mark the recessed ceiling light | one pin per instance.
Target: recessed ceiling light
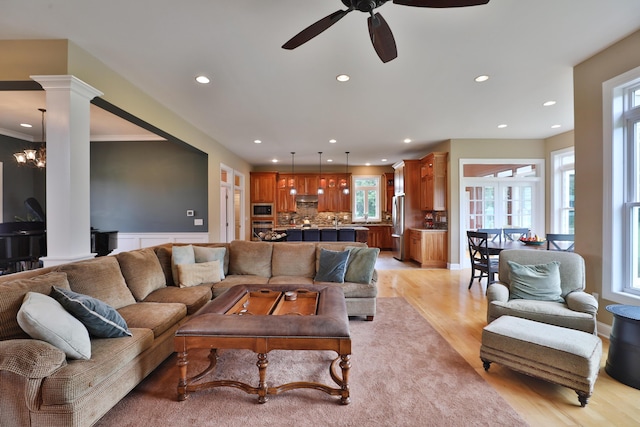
(26, 125)
(203, 79)
(556, 126)
(342, 78)
(482, 78)
(383, 160)
(502, 126)
(257, 141)
(367, 164)
(407, 140)
(549, 103)
(329, 160)
(332, 141)
(274, 161)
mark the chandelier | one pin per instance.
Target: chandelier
(37, 158)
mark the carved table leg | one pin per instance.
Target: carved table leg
(182, 381)
(345, 364)
(262, 385)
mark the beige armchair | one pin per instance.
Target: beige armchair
(578, 311)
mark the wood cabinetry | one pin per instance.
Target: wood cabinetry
(285, 202)
(333, 199)
(389, 191)
(379, 236)
(428, 247)
(306, 184)
(433, 182)
(263, 187)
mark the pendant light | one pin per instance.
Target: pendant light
(320, 189)
(292, 190)
(345, 190)
(37, 157)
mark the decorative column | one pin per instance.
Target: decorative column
(68, 157)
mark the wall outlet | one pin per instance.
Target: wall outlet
(190, 212)
(198, 221)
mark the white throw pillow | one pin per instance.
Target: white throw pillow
(206, 254)
(43, 318)
(195, 274)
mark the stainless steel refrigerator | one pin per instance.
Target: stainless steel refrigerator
(397, 236)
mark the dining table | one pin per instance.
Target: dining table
(496, 247)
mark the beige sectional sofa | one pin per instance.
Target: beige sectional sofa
(41, 386)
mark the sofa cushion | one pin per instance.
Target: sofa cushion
(294, 259)
(333, 265)
(164, 258)
(100, 278)
(232, 280)
(12, 294)
(181, 255)
(198, 273)
(361, 264)
(193, 297)
(79, 377)
(206, 254)
(251, 258)
(100, 319)
(158, 317)
(142, 272)
(43, 318)
(535, 282)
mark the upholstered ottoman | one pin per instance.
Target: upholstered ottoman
(559, 355)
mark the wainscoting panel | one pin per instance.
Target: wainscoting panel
(132, 241)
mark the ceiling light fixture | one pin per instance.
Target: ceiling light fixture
(292, 190)
(257, 141)
(407, 140)
(342, 78)
(274, 161)
(332, 141)
(203, 80)
(383, 160)
(549, 103)
(482, 78)
(502, 126)
(345, 188)
(37, 157)
(320, 189)
(556, 126)
(26, 125)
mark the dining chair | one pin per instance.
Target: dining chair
(560, 242)
(480, 259)
(494, 233)
(514, 234)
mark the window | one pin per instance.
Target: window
(563, 191)
(366, 198)
(621, 242)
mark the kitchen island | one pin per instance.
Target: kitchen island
(342, 233)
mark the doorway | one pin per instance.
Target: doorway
(232, 226)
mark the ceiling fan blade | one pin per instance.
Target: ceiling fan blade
(382, 38)
(440, 3)
(314, 29)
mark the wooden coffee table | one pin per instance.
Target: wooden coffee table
(255, 318)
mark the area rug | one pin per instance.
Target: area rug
(403, 374)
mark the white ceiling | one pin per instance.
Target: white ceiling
(290, 99)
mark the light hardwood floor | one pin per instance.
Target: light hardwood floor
(458, 314)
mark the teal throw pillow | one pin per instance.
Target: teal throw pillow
(362, 262)
(181, 255)
(535, 282)
(100, 319)
(333, 266)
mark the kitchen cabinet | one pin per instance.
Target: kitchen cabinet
(379, 236)
(263, 187)
(333, 199)
(389, 191)
(285, 202)
(433, 182)
(307, 185)
(428, 247)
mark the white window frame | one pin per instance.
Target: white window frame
(559, 189)
(376, 188)
(616, 234)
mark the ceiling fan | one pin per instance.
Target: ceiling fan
(379, 31)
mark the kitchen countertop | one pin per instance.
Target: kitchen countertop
(429, 229)
(316, 227)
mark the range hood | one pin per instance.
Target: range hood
(306, 198)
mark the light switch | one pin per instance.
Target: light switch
(198, 221)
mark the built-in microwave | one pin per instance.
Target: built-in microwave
(262, 210)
